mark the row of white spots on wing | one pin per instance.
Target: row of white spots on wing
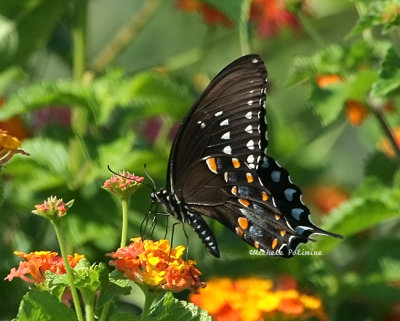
(249, 115)
(249, 129)
(250, 159)
(202, 125)
(250, 144)
(254, 61)
(225, 122)
(227, 150)
(250, 102)
(226, 177)
(226, 136)
(219, 113)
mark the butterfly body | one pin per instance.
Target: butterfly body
(218, 168)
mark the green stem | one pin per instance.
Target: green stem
(104, 311)
(69, 271)
(89, 306)
(243, 28)
(149, 298)
(79, 115)
(124, 232)
(311, 31)
(125, 36)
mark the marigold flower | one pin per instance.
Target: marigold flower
(252, 299)
(386, 147)
(326, 197)
(211, 15)
(123, 185)
(33, 269)
(271, 16)
(53, 208)
(324, 81)
(9, 146)
(157, 265)
(355, 112)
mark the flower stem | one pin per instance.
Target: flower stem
(149, 298)
(69, 271)
(124, 232)
(89, 307)
(243, 28)
(125, 36)
(104, 311)
(311, 31)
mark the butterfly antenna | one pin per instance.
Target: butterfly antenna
(149, 177)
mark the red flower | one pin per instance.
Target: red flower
(211, 15)
(271, 16)
(326, 197)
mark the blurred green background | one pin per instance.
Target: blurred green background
(78, 110)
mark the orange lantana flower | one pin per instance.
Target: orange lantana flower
(386, 147)
(33, 269)
(252, 299)
(157, 265)
(211, 15)
(326, 197)
(9, 146)
(324, 81)
(355, 112)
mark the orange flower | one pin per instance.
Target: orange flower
(252, 299)
(326, 197)
(271, 16)
(157, 265)
(324, 81)
(355, 112)
(9, 146)
(211, 15)
(14, 125)
(37, 263)
(386, 147)
(123, 185)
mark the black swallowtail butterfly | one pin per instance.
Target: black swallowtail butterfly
(218, 167)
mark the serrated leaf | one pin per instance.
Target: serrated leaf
(389, 75)
(169, 308)
(29, 24)
(43, 306)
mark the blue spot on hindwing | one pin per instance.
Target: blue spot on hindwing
(289, 192)
(296, 213)
(276, 176)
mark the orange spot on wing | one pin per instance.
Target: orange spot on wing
(244, 202)
(235, 163)
(283, 232)
(239, 232)
(256, 245)
(212, 164)
(243, 222)
(264, 196)
(277, 216)
(274, 243)
(250, 178)
(234, 190)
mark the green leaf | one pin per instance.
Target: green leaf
(389, 75)
(43, 306)
(382, 167)
(25, 25)
(372, 204)
(123, 317)
(385, 13)
(169, 308)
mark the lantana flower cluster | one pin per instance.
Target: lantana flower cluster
(123, 185)
(157, 265)
(52, 208)
(33, 269)
(256, 299)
